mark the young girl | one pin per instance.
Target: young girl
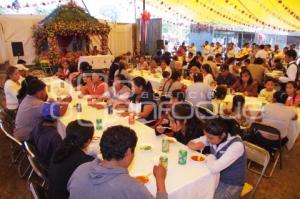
(142, 101)
(228, 157)
(293, 99)
(245, 84)
(183, 124)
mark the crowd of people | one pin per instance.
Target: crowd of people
(214, 72)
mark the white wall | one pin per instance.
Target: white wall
(19, 28)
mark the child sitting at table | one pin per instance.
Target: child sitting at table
(293, 98)
(63, 70)
(182, 124)
(237, 110)
(98, 88)
(228, 157)
(268, 91)
(165, 75)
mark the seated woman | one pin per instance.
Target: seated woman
(166, 104)
(98, 89)
(63, 70)
(122, 70)
(183, 124)
(293, 98)
(207, 73)
(24, 86)
(142, 65)
(245, 84)
(86, 81)
(228, 157)
(119, 92)
(11, 89)
(276, 115)
(173, 83)
(68, 156)
(142, 102)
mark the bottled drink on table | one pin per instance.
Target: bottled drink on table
(131, 118)
(98, 124)
(109, 108)
(62, 84)
(163, 161)
(182, 156)
(78, 107)
(165, 145)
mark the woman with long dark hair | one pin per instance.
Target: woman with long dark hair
(228, 157)
(173, 83)
(245, 84)
(142, 102)
(122, 70)
(24, 85)
(183, 124)
(208, 77)
(11, 89)
(68, 156)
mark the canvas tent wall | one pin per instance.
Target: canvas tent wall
(14, 28)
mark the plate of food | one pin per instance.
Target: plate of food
(171, 140)
(96, 137)
(198, 157)
(142, 179)
(145, 147)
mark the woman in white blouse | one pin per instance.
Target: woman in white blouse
(11, 89)
(208, 77)
(228, 157)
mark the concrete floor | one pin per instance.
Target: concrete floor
(285, 183)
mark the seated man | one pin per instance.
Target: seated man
(29, 112)
(45, 136)
(109, 178)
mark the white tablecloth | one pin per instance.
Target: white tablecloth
(256, 104)
(97, 61)
(192, 180)
(155, 79)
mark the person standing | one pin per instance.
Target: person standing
(11, 88)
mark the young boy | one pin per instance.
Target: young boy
(268, 91)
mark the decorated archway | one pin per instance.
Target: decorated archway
(66, 33)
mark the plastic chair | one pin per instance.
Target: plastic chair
(38, 192)
(36, 165)
(205, 113)
(256, 128)
(17, 152)
(259, 156)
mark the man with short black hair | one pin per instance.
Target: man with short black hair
(30, 110)
(291, 72)
(109, 178)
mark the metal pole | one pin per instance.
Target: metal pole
(142, 33)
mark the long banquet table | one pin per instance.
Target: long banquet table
(193, 180)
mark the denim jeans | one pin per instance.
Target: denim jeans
(226, 191)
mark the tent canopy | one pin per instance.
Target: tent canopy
(281, 15)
